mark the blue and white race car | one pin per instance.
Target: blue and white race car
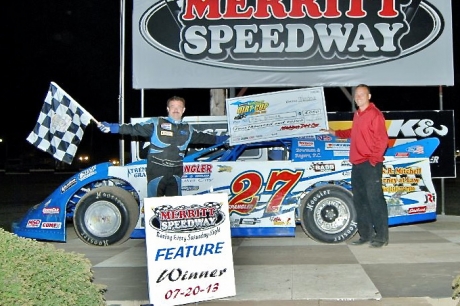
(272, 187)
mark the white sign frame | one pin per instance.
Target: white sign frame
(189, 249)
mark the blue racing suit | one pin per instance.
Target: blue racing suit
(169, 140)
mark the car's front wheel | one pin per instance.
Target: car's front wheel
(327, 214)
(106, 216)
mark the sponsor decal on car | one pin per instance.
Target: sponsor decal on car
(223, 168)
(416, 150)
(197, 170)
(87, 173)
(278, 221)
(190, 188)
(341, 153)
(245, 221)
(324, 138)
(402, 154)
(416, 210)
(337, 146)
(51, 225)
(51, 210)
(33, 223)
(322, 167)
(68, 185)
(137, 172)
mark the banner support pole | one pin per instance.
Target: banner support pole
(121, 106)
(443, 200)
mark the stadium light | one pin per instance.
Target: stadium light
(83, 158)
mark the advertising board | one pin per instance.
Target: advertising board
(330, 43)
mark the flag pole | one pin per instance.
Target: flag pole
(121, 113)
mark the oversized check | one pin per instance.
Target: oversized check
(276, 115)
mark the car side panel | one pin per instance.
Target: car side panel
(263, 195)
(47, 220)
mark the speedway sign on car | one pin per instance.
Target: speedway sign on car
(276, 115)
(189, 249)
(222, 43)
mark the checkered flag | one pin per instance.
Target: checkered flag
(60, 125)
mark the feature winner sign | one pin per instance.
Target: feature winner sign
(276, 115)
(189, 249)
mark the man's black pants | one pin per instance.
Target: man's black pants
(370, 204)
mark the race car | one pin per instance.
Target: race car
(272, 187)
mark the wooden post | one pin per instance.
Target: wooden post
(218, 102)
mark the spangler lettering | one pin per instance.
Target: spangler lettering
(198, 168)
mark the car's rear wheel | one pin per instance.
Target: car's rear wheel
(106, 216)
(327, 214)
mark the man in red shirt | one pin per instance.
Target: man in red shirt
(368, 142)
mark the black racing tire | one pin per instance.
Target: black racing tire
(106, 216)
(327, 214)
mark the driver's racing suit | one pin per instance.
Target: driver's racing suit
(169, 140)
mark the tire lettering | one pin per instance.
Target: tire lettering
(108, 196)
(317, 197)
(93, 241)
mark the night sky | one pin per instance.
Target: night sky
(77, 45)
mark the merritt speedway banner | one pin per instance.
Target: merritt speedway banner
(266, 43)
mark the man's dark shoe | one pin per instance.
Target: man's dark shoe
(360, 242)
(378, 244)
